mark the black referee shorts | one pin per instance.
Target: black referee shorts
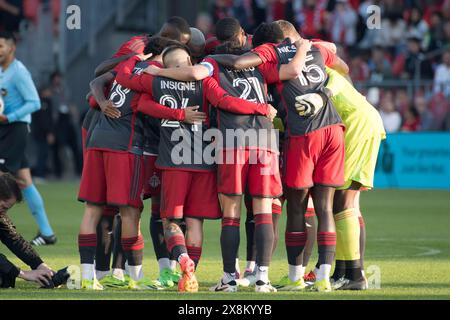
(13, 143)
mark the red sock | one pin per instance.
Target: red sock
(87, 244)
(194, 253)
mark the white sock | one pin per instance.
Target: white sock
(238, 269)
(127, 268)
(118, 274)
(101, 274)
(164, 263)
(250, 266)
(135, 272)
(173, 265)
(87, 271)
(228, 277)
(296, 272)
(316, 271)
(324, 272)
(363, 273)
(262, 273)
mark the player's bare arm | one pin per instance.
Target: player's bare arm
(340, 66)
(329, 45)
(247, 60)
(191, 73)
(294, 68)
(110, 64)
(97, 88)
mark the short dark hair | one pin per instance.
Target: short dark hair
(227, 29)
(181, 24)
(174, 47)
(157, 44)
(286, 26)
(267, 33)
(8, 36)
(9, 187)
(230, 47)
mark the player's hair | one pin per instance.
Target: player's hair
(179, 23)
(227, 29)
(178, 46)
(230, 47)
(9, 188)
(267, 33)
(157, 44)
(197, 37)
(8, 36)
(286, 27)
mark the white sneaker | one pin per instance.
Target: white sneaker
(263, 287)
(225, 287)
(248, 280)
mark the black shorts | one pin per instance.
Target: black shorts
(13, 143)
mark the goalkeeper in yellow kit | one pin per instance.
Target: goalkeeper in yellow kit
(363, 135)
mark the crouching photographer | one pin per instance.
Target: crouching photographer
(40, 273)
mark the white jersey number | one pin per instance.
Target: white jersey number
(118, 94)
(170, 101)
(249, 84)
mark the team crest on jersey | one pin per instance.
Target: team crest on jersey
(154, 181)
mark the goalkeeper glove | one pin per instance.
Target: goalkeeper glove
(310, 104)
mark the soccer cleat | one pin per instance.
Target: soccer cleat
(287, 284)
(323, 285)
(140, 285)
(360, 284)
(248, 280)
(176, 276)
(41, 240)
(91, 284)
(337, 284)
(113, 282)
(263, 287)
(225, 287)
(165, 279)
(310, 277)
(188, 281)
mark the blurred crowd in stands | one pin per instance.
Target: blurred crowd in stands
(402, 64)
(16, 14)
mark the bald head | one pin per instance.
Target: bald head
(197, 43)
(176, 56)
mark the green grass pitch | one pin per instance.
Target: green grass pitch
(408, 240)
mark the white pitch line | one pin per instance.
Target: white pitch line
(428, 252)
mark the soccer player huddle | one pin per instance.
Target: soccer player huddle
(199, 125)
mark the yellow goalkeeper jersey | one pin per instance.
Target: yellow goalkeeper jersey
(361, 119)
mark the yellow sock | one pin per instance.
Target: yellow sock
(347, 235)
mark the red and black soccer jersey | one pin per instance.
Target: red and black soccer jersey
(125, 134)
(134, 45)
(151, 128)
(246, 84)
(171, 97)
(89, 121)
(312, 79)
